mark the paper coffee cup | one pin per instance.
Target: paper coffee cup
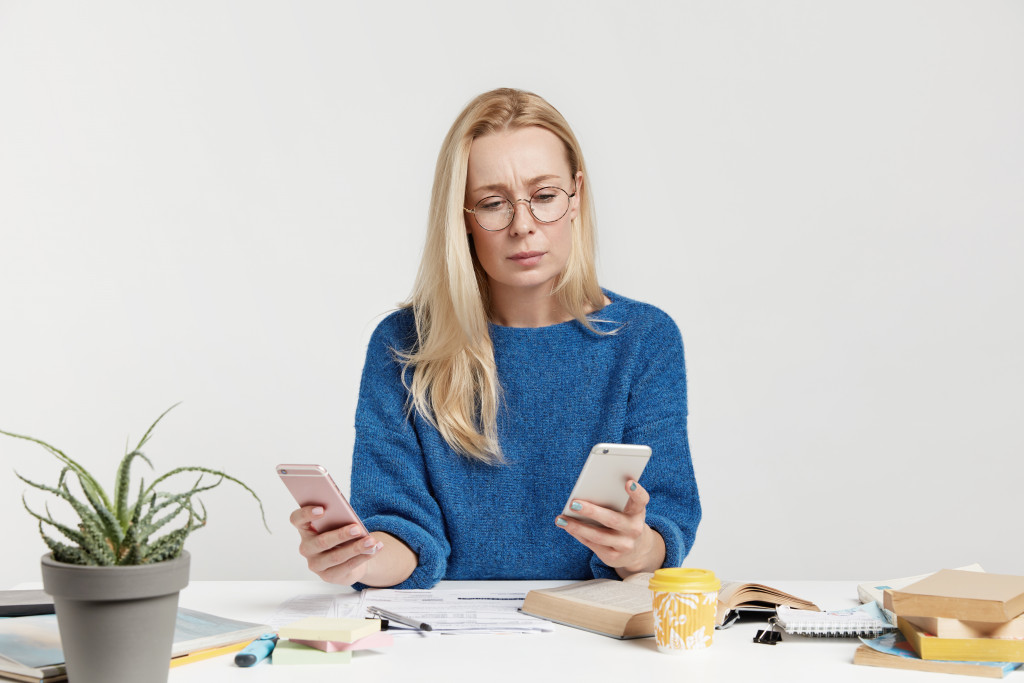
(684, 608)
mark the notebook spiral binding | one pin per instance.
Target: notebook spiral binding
(832, 629)
(862, 633)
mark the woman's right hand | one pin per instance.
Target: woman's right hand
(339, 556)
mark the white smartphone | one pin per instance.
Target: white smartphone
(312, 485)
(602, 480)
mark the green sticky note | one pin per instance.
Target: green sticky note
(287, 652)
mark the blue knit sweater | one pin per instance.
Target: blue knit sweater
(565, 389)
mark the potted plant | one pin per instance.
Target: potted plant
(116, 574)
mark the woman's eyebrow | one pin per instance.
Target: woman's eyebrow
(503, 186)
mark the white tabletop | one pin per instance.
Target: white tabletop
(567, 654)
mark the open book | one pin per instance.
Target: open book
(620, 609)
(736, 595)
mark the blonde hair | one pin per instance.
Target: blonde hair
(454, 382)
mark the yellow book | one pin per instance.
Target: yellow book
(199, 655)
(339, 630)
(931, 647)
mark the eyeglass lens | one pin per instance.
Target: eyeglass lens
(547, 205)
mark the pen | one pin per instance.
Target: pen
(408, 621)
(257, 650)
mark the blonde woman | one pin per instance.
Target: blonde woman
(482, 396)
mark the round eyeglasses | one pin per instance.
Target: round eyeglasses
(548, 204)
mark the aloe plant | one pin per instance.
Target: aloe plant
(118, 530)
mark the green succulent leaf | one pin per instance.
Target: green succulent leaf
(72, 535)
(218, 473)
(63, 552)
(121, 533)
(111, 527)
(123, 485)
(93, 485)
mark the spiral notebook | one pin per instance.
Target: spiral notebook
(865, 620)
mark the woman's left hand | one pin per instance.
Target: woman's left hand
(623, 540)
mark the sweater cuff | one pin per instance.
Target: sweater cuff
(432, 558)
(675, 548)
(675, 544)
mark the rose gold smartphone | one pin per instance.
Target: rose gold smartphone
(312, 485)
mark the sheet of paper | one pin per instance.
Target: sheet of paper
(455, 611)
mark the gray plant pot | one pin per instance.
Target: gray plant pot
(116, 623)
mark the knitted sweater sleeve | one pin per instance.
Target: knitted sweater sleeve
(390, 487)
(656, 416)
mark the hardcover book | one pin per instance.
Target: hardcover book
(956, 628)
(867, 656)
(954, 594)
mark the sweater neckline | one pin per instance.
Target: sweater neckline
(613, 299)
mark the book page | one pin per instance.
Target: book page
(735, 593)
(625, 597)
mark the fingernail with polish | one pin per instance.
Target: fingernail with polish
(632, 487)
(318, 511)
(561, 522)
(576, 506)
(355, 531)
(369, 542)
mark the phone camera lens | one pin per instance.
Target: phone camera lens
(284, 471)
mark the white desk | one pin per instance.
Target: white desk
(566, 655)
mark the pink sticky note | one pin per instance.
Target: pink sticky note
(370, 642)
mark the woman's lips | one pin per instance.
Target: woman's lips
(527, 258)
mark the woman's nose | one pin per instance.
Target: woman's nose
(522, 220)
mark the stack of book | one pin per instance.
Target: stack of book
(958, 621)
(30, 648)
(325, 640)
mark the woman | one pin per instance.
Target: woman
(482, 396)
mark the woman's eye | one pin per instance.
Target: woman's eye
(491, 205)
(543, 197)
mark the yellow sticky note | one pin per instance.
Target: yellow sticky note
(326, 628)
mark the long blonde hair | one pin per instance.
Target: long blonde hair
(454, 383)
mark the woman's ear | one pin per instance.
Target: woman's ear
(574, 206)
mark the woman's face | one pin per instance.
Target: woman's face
(528, 254)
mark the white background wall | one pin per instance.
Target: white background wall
(214, 202)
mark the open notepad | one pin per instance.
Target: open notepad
(866, 620)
